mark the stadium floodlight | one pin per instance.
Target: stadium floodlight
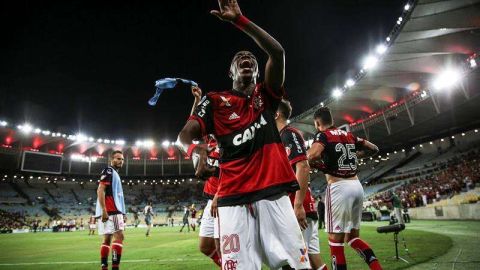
(400, 19)
(148, 143)
(381, 49)
(25, 128)
(46, 132)
(139, 143)
(120, 142)
(463, 134)
(99, 140)
(321, 104)
(64, 135)
(350, 83)
(447, 79)
(473, 63)
(337, 93)
(476, 130)
(166, 143)
(3, 123)
(406, 7)
(106, 141)
(288, 121)
(37, 131)
(80, 137)
(388, 39)
(442, 140)
(370, 62)
(431, 142)
(91, 139)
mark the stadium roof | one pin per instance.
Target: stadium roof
(395, 102)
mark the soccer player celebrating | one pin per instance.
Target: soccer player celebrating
(111, 210)
(302, 201)
(256, 219)
(148, 212)
(338, 151)
(209, 229)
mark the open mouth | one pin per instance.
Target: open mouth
(246, 63)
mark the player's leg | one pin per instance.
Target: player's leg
(117, 245)
(310, 236)
(207, 233)
(337, 206)
(280, 235)
(353, 238)
(105, 250)
(239, 243)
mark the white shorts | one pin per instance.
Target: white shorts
(114, 224)
(92, 226)
(310, 235)
(265, 231)
(192, 221)
(343, 206)
(209, 224)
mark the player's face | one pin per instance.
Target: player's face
(117, 161)
(244, 66)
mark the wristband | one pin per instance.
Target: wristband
(191, 148)
(241, 22)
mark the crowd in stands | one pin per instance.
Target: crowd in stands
(462, 173)
(12, 220)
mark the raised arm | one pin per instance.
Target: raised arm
(229, 10)
(197, 94)
(368, 149)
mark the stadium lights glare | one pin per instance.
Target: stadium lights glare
(120, 142)
(473, 63)
(447, 79)
(106, 141)
(407, 7)
(476, 130)
(46, 132)
(3, 123)
(80, 137)
(139, 143)
(337, 93)
(166, 143)
(388, 39)
(25, 128)
(442, 140)
(99, 141)
(370, 62)
(381, 49)
(37, 131)
(148, 143)
(91, 139)
(350, 83)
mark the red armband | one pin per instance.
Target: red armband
(241, 22)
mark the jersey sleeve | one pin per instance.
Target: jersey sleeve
(320, 138)
(359, 142)
(203, 114)
(106, 176)
(295, 146)
(272, 96)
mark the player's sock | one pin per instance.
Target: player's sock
(338, 255)
(215, 258)
(364, 250)
(104, 250)
(117, 247)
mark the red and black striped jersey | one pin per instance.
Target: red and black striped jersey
(340, 153)
(294, 144)
(106, 179)
(253, 164)
(211, 185)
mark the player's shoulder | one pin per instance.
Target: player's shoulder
(107, 170)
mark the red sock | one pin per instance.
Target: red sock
(216, 258)
(338, 255)
(104, 250)
(117, 247)
(364, 250)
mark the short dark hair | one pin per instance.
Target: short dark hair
(285, 109)
(324, 115)
(116, 152)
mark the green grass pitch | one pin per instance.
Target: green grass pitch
(169, 249)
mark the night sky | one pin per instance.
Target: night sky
(90, 66)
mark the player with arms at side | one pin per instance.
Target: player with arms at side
(302, 200)
(339, 150)
(208, 243)
(148, 212)
(256, 219)
(111, 210)
(92, 225)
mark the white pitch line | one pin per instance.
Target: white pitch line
(98, 262)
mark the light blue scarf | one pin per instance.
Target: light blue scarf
(167, 83)
(117, 194)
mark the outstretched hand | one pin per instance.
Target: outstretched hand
(229, 10)
(197, 92)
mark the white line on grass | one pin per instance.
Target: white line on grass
(97, 262)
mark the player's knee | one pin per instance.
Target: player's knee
(206, 247)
